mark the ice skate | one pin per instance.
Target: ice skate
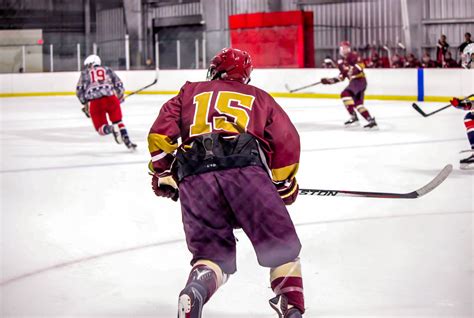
(116, 133)
(280, 305)
(352, 122)
(372, 124)
(191, 301)
(128, 143)
(467, 163)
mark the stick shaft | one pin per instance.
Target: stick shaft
(303, 87)
(430, 186)
(141, 89)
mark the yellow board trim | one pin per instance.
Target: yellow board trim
(411, 98)
(437, 99)
(37, 94)
(154, 93)
(305, 95)
(392, 97)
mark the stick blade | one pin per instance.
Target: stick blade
(287, 88)
(442, 175)
(418, 109)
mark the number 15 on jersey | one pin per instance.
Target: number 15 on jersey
(238, 113)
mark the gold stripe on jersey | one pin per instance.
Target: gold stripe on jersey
(282, 174)
(150, 167)
(360, 75)
(161, 142)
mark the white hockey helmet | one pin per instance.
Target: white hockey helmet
(467, 56)
(92, 60)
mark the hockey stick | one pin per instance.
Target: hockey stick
(418, 109)
(422, 113)
(300, 88)
(141, 89)
(144, 87)
(442, 175)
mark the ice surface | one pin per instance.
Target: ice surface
(82, 234)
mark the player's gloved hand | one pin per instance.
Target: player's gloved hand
(288, 190)
(460, 103)
(85, 110)
(165, 186)
(328, 81)
(455, 101)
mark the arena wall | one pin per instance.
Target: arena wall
(384, 84)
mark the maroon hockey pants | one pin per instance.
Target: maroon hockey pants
(214, 203)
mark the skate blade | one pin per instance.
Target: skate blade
(467, 151)
(466, 166)
(353, 125)
(372, 128)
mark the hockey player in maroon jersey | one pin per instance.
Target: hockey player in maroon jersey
(100, 90)
(353, 95)
(235, 168)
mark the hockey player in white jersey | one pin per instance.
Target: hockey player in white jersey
(100, 90)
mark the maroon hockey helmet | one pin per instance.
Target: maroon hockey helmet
(230, 64)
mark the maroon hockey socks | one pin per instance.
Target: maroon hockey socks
(286, 280)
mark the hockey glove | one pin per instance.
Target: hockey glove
(288, 190)
(455, 102)
(462, 104)
(329, 81)
(165, 186)
(85, 110)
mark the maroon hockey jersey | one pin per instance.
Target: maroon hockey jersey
(230, 108)
(351, 67)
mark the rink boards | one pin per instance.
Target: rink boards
(383, 84)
